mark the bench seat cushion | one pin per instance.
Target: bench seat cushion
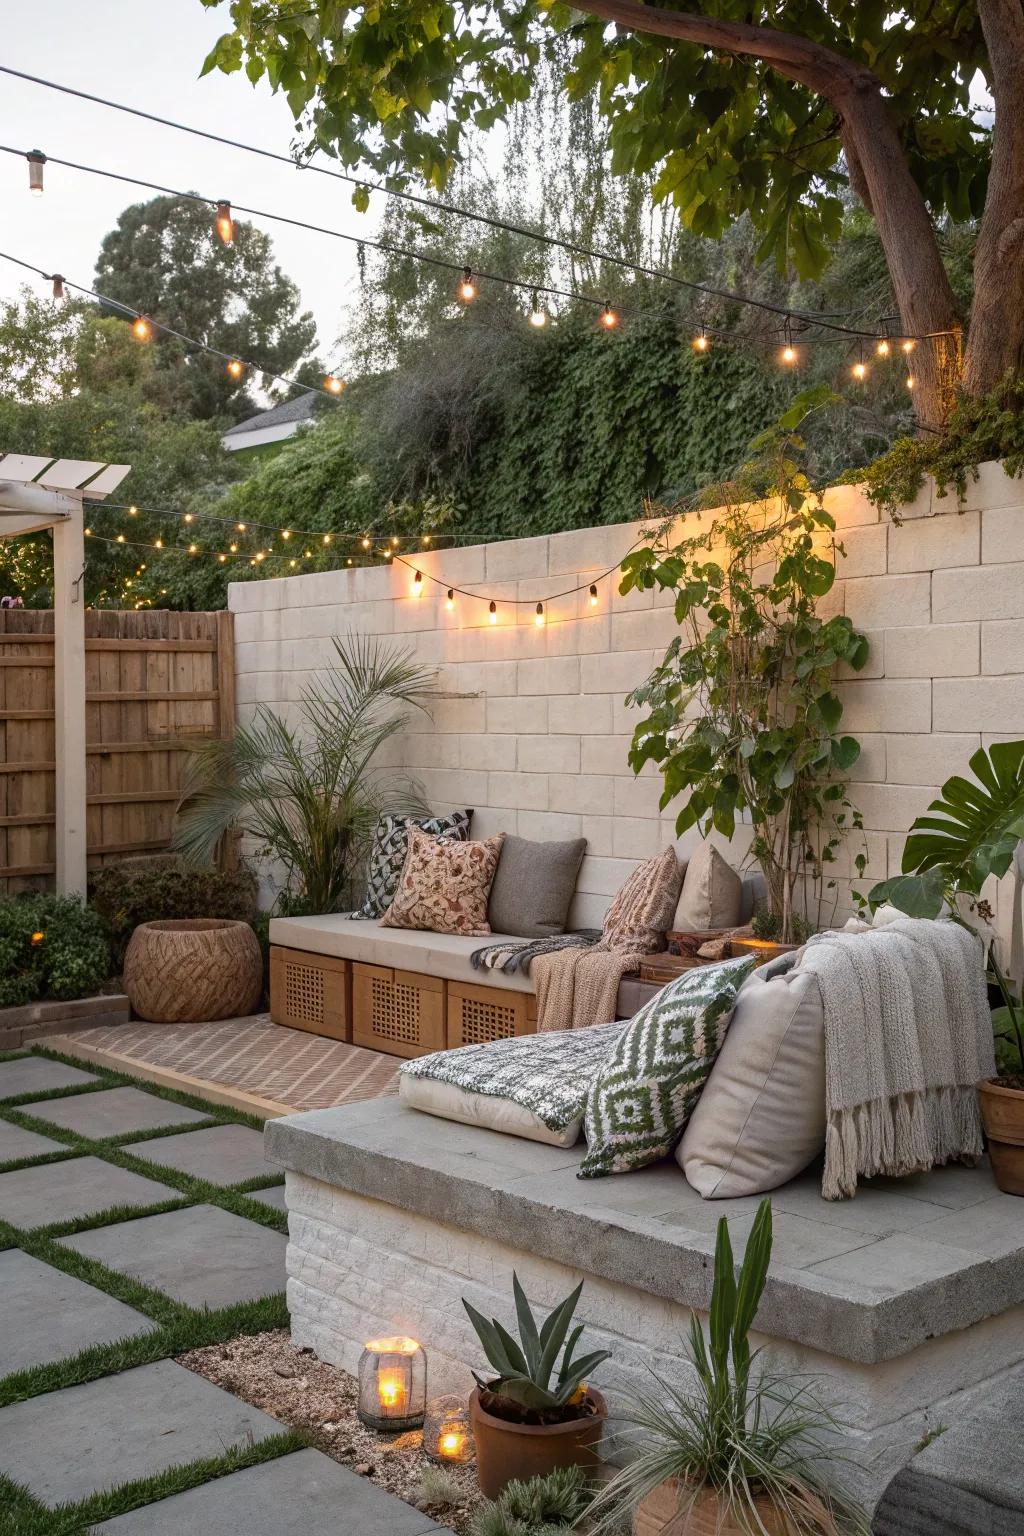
(445, 955)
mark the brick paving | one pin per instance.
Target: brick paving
(256, 1056)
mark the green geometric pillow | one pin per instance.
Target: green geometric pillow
(641, 1099)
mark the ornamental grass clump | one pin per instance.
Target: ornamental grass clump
(746, 1446)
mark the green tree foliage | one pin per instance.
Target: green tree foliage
(164, 260)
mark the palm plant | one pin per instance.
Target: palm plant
(969, 833)
(310, 794)
(745, 1436)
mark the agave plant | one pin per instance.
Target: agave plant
(745, 1433)
(526, 1370)
(310, 794)
(966, 835)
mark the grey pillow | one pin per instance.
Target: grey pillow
(534, 887)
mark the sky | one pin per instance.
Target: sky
(148, 54)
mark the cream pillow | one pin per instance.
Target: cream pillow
(712, 893)
(486, 1111)
(761, 1117)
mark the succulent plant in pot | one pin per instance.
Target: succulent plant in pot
(537, 1412)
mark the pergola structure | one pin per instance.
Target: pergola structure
(37, 494)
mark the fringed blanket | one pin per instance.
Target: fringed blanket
(520, 955)
(580, 987)
(908, 1035)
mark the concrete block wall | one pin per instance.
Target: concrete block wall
(531, 727)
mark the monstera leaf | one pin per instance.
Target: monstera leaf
(969, 833)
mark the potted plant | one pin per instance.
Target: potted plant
(745, 1453)
(534, 1414)
(968, 834)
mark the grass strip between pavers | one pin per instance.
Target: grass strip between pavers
(23, 1515)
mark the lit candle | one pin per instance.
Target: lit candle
(391, 1389)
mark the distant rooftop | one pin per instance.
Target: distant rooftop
(290, 413)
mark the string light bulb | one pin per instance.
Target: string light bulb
(193, 549)
(788, 353)
(860, 368)
(188, 517)
(233, 548)
(133, 511)
(58, 287)
(700, 342)
(609, 319)
(467, 288)
(158, 544)
(492, 611)
(450, 599)
(911, 381)
(286, 533)
(538, 316)
(236, 368)
(417, 584)
(538, 617)
(224, 224)
(327, 538)
(240, 527)
(119, 539)
(222, 558)
(366, 541)
(907, 345)
(333, 385)
(141, 328)
(883, 349)
(593, 595)
(36, 160)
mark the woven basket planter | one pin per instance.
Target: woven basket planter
(191, 969)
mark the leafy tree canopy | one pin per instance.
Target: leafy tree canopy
(164, 260)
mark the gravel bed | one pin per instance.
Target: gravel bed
(292, 1385)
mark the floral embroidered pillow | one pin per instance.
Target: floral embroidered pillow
(444, 885)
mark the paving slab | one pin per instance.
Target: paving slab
(81, 1186)
(273, 1197)
(297, 1495)
(48, 1315)
(115, 1112)
(221, 1154)
(67, 1445)
(202, 1256)
(35, 1074)
(15, 1142)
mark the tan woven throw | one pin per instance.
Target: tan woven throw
(579, 987)
(908, 1035)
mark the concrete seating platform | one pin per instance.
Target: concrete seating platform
(904, 1303)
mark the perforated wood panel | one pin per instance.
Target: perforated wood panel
(400, 1012)
(310, 992)
(479, 1014)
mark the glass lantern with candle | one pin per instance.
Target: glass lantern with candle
(392, 1384)
(447, 1436)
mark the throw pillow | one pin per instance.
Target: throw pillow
(638, 918)
(390, 846)
(641, 1099)
(528, 1085)
(444, 885)
(761, 1118)
(534, 887)
(712, 894)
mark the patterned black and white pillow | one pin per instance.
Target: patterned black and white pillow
(390, 845)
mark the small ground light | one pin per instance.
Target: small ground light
(609, 319)
(593, 596)
(538, 617)
(141, 328)
(224, 224)
(492, 612)
(447, 1436)
(333, 385)
(538, 316)
(392, 1377)
(36, 160)
(450, 600)
(467, 288)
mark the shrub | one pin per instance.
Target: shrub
(50, 946)
(128, 894)
(543, 1505)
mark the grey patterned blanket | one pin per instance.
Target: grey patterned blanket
(521, 955)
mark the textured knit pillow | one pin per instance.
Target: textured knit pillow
(640, 915)
(444, 885)
(712, 893)
(390, 846)
(640, 1101)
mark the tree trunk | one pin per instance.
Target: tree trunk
(996, 342)
(879, 172)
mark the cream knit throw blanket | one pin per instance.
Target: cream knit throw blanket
(908, 1035)
(579, 987)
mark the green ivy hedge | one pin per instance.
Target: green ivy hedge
(50, 946)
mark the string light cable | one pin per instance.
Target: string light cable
(434, 204)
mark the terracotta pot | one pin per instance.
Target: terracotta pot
(1002, 1113)
(187, 970)
(660, 1515)
(505, 1451)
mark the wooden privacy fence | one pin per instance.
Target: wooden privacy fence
(154, 681)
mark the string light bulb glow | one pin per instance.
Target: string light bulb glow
(911, 381)
(907, 345)
(450, 599)
(236, 368)
(467, 288)
(133, 511)
(333, 385)
(593, 595)
(417, 584)
(240, 527)
(859, 370)
(538, 617)
(366, 541)
(327, 538)
(193, 549)
(36, 160)
(700, 342)
(609, 319)
(538, 316)
(883, 349)
(492, 611)
(224, 224)
(188, 517)
(158, 544)
(141, 328)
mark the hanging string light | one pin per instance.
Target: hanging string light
(538, 316)
(788, 353)
(860, 367)
(333, 385)
(417, 584)
(492, 611)
(36, 160)
(224, 224)
(467, 287)
(883, 349)
(538, 617)
(593, 594)
(141, 328)
(907, 345)
(609, 319)
(700, 342)
(910, 381)
(236, 368)
(58, 287)
(450, 600)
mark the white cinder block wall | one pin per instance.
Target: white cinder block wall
(532, 730)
